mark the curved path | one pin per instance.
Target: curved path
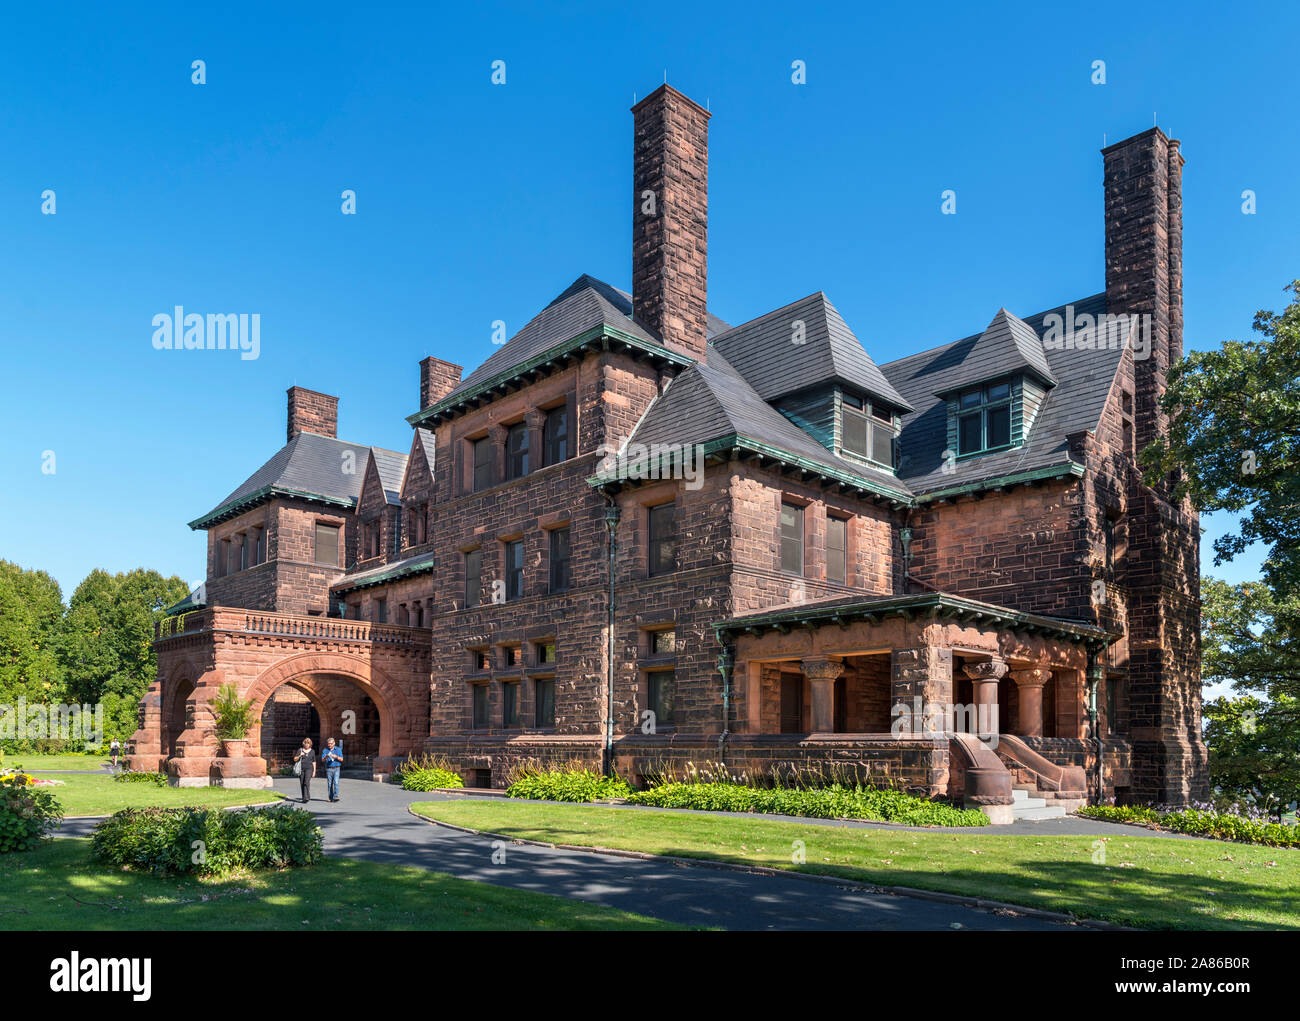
(372, 822)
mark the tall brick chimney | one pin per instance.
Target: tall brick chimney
(437, 380)
(670, 218)
(312, 412)
(1144, 259)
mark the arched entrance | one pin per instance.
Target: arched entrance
(287, 718)
(175, 713)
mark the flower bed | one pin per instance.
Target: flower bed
(1201, 822)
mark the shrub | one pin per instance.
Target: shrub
(1202, 822)
(133, 776)
(429, 779)
(27, 813)
(207, 841)
(232, 715)
(567, 785)
(837, 801)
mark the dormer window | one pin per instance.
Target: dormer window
(984, 418)
(867, 428)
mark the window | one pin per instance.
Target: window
(514, 655)
(243, 551)
(663, 539)
(473, 578)
(555, 436)
(663, 643)
(259, 546)
(545, 653)
(791, 538)
(660, 685)
(561, 569)
(984, 418)
(482, 463)
(480, 703)
(372, 539)
(1116, 694)
(791, 704)
(510, 704)
(836, 560)
(515, 569)
(517, 451)
(416, 524)
(327, 545)
(479, 659)
(417, 614)
(381, 611)
(867, 429)
(544, 710)
(403, 615)
(232, 557)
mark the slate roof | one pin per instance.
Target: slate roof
(763, 352)
(418, 564)
(1007, 346)
(713, 401)
(310, 465)
(584, 304)
(392, 467)
(1083, 379)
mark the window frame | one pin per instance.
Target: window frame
(539, 703)
(474, 556)
(781, 534)
(655, 680)
(655, 543)
(837, 555)
(517, 450)
(874, 416)
(555, 443)
(514, 575)
(316, 545)
(560, 565)
(980, 409)
(483, 465)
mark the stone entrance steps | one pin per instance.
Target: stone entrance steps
(1025, 805)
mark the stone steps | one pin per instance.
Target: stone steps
(1028, 806)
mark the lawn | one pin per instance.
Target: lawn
(1149, 882)
(13, 760)
(54, 887)
(102, 795)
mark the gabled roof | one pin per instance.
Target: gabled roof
(1083, 378)
(588, 312)
(584, 304)
(419, 564)
(309, 467)
(712, 402)
(1007, 346)
(765, 352)
(424, 445)
(392, 468)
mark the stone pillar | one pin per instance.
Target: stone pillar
(536, 421)
(984, 676)
(822, 674)
(1029, 686)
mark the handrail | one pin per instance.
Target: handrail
(284, 625)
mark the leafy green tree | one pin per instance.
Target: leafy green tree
(31, 618)
(1251, 638)
(107, 647)
(1234, 439)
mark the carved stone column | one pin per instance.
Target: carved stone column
(822, 675)
(1029, 687)
(984, 676)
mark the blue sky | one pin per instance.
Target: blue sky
(478, 202)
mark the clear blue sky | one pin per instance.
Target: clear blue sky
(479, 202)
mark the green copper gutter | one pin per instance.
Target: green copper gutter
(603, 333)
(248, 502)
(417, 565)
(1072, 468)
(929, 604)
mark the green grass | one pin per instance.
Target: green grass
(1149, 882)
(102, 795)
(54, 887)
(13, 760)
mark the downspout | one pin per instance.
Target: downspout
(905, 538)
(726, 660)
(611, 525)
(1095, 671)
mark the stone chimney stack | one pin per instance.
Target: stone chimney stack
(670, 217)
(1144, 261)
(312, 412)
(437, 380)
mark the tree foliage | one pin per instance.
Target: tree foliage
(31, 621)
(1234, 439)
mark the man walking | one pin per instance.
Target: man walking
(333, 759)
(304, 764)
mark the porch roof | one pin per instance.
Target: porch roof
(418, 564)
(938, 605)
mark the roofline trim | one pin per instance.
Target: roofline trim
(452, 404)
(1071, 468)
(937, 605)
(263, 495)
(393, 574)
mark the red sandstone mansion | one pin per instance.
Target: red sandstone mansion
(641, 537)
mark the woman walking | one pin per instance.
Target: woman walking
(304, 764)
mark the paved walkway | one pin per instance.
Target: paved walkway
(371, 822)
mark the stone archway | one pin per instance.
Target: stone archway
(175, 713)
(318, 676)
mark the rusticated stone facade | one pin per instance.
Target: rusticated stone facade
(518, 603)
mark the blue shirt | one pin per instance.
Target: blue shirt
(330, 762)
